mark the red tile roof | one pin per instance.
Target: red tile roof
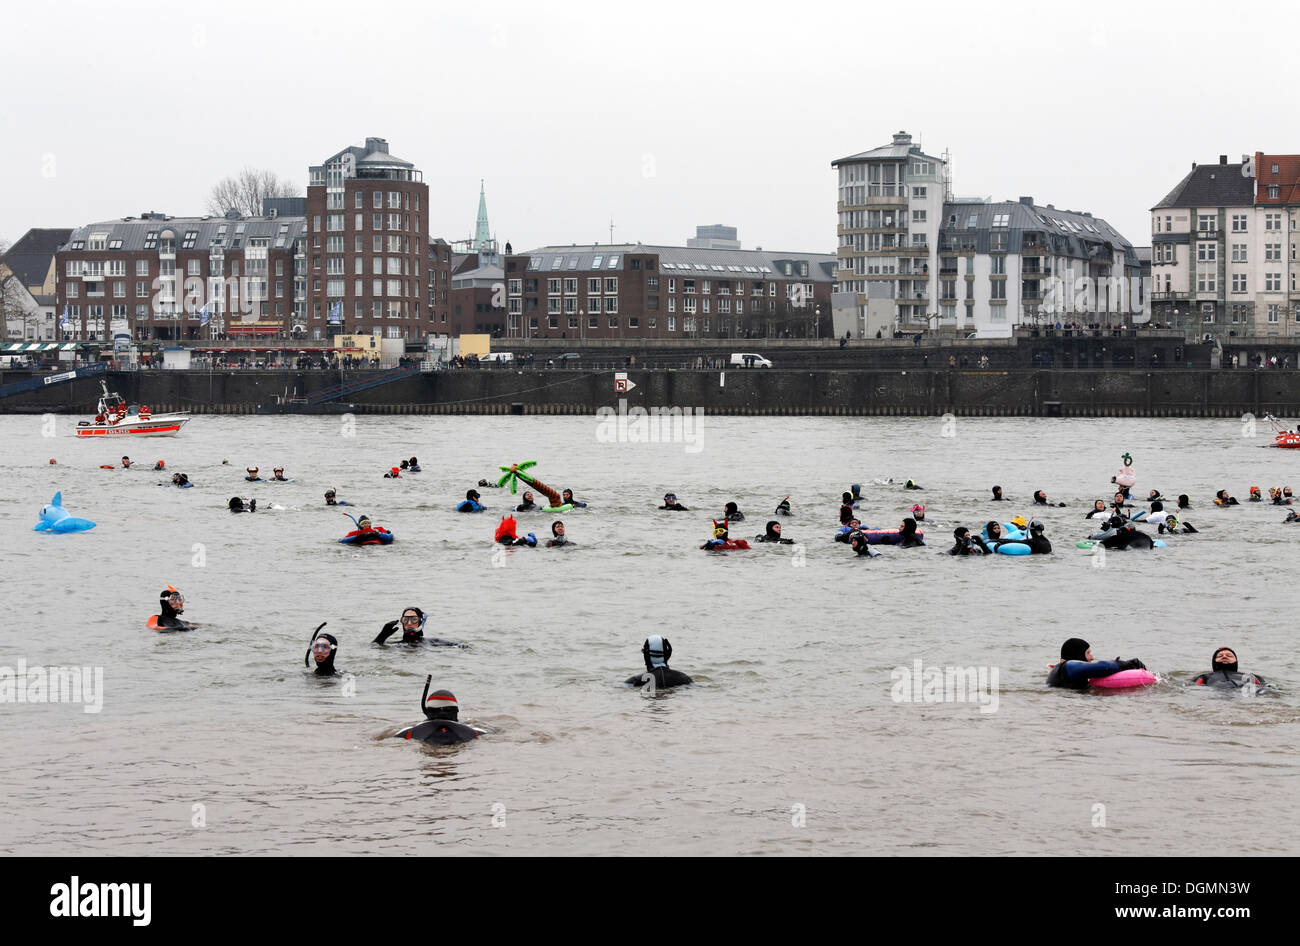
(1287, 178)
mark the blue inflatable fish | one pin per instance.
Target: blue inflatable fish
(54, 518)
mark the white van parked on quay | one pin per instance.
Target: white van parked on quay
(749, 359)
(501, 357)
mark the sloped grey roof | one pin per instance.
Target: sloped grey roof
(282, 231)
(686, 261)
(383, 158)
(29, 259)
(1211, 185)
(1068, 232)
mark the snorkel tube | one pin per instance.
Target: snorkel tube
(306, 660)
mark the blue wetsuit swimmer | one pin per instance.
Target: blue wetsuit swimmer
(1077, 666)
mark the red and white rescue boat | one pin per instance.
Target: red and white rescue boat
(115, 419)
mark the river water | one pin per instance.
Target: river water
(794, 739)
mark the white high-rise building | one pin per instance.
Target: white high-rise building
(912, 257)
(890, 204)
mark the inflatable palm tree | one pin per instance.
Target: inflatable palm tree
(515, 472)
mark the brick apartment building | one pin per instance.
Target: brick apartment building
(642, 291)
(152, 276)
(369, 244)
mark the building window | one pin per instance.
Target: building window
(593, 286)
(672, 323)
(1272, 252)
(1272, 221)
(998, 289)
(1238, 282)
(1272, 195)
(1272, 282)
(1238, 223)
(1206, 252)
(611, 285)
(1238, 253)
(652, 283)
(918, 193)
(1272, 312)
(1207, 223)
(1206, 280)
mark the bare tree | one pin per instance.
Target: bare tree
(243, 192)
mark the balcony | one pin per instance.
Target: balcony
(1170, 296)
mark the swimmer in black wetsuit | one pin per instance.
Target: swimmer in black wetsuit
(411, 624)
(415, 465)
(861, 546)
(1184, 502)
(558, 537)
(657, 652)
(783, 507)
(323, 649)
(1221, 498)
(773, 534)
(732, 513)
(1154, 496)
(238, 505)
(441, 726)
(1077, 667)
(1040, 499)
(1099, 510)
(566, 496)
(997, 494)
(911, 484)
(1224, 674)
(1038, 543)
(1255, 495)
(966, 544)
(171, 604)
(252, 476)
(277, 474)
(908, 537)
(670, 502)
(1121, 536)
(528, 505)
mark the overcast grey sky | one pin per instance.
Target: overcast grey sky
(658, 115)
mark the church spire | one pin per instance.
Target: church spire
(482, 235)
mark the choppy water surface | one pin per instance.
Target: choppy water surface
(789, 743)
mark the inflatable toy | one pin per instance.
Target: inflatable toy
(54, 518)
(886, 536)
(1125, 477)
(515, 472)
(1124, 680)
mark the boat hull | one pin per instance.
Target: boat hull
(161, 425)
